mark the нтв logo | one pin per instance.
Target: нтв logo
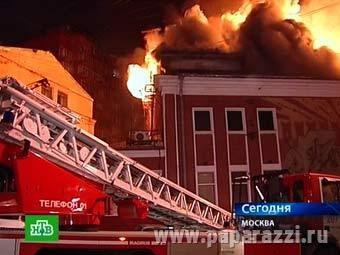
(41, 228)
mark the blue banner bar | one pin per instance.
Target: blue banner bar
(286, 209)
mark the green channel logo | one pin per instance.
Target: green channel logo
(41, 228)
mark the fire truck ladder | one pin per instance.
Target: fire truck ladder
(53, 134)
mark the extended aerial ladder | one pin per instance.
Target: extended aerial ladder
(53, 134)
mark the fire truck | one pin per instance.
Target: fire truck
(310, 187)
(106, 202)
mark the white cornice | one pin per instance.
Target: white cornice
(248, 86)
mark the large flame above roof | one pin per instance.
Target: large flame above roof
(307, 28)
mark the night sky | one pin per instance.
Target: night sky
(115, 25)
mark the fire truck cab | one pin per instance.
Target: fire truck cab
(310, 187)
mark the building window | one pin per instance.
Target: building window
(240, 187)
(62, 99)
(237, 140)
(202, 121)
(206, 186)
(235, 120)
(268, 139)
(204, 150)
(47, 91)
(266, 120)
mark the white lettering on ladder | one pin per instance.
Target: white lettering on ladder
(72, 205)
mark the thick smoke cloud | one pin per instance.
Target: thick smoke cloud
(282, 47)
(268, 43)
(192, 35)
(196, 32)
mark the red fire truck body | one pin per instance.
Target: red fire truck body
(45, 191)
(41, 187)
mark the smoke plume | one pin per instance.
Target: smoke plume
(269, 43)
(284, 47)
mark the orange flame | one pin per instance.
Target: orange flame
(196, 12)
(141, 78)
(237, 18)
(320, 18)
(290, 9)
(324, 23)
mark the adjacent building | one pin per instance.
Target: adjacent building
(30, 66)
(96, 73)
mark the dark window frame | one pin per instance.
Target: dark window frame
(205, 123)
(235, 125)
(64, 96)
(47, 91)
(266, 119)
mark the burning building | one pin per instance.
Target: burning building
(241, 94)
